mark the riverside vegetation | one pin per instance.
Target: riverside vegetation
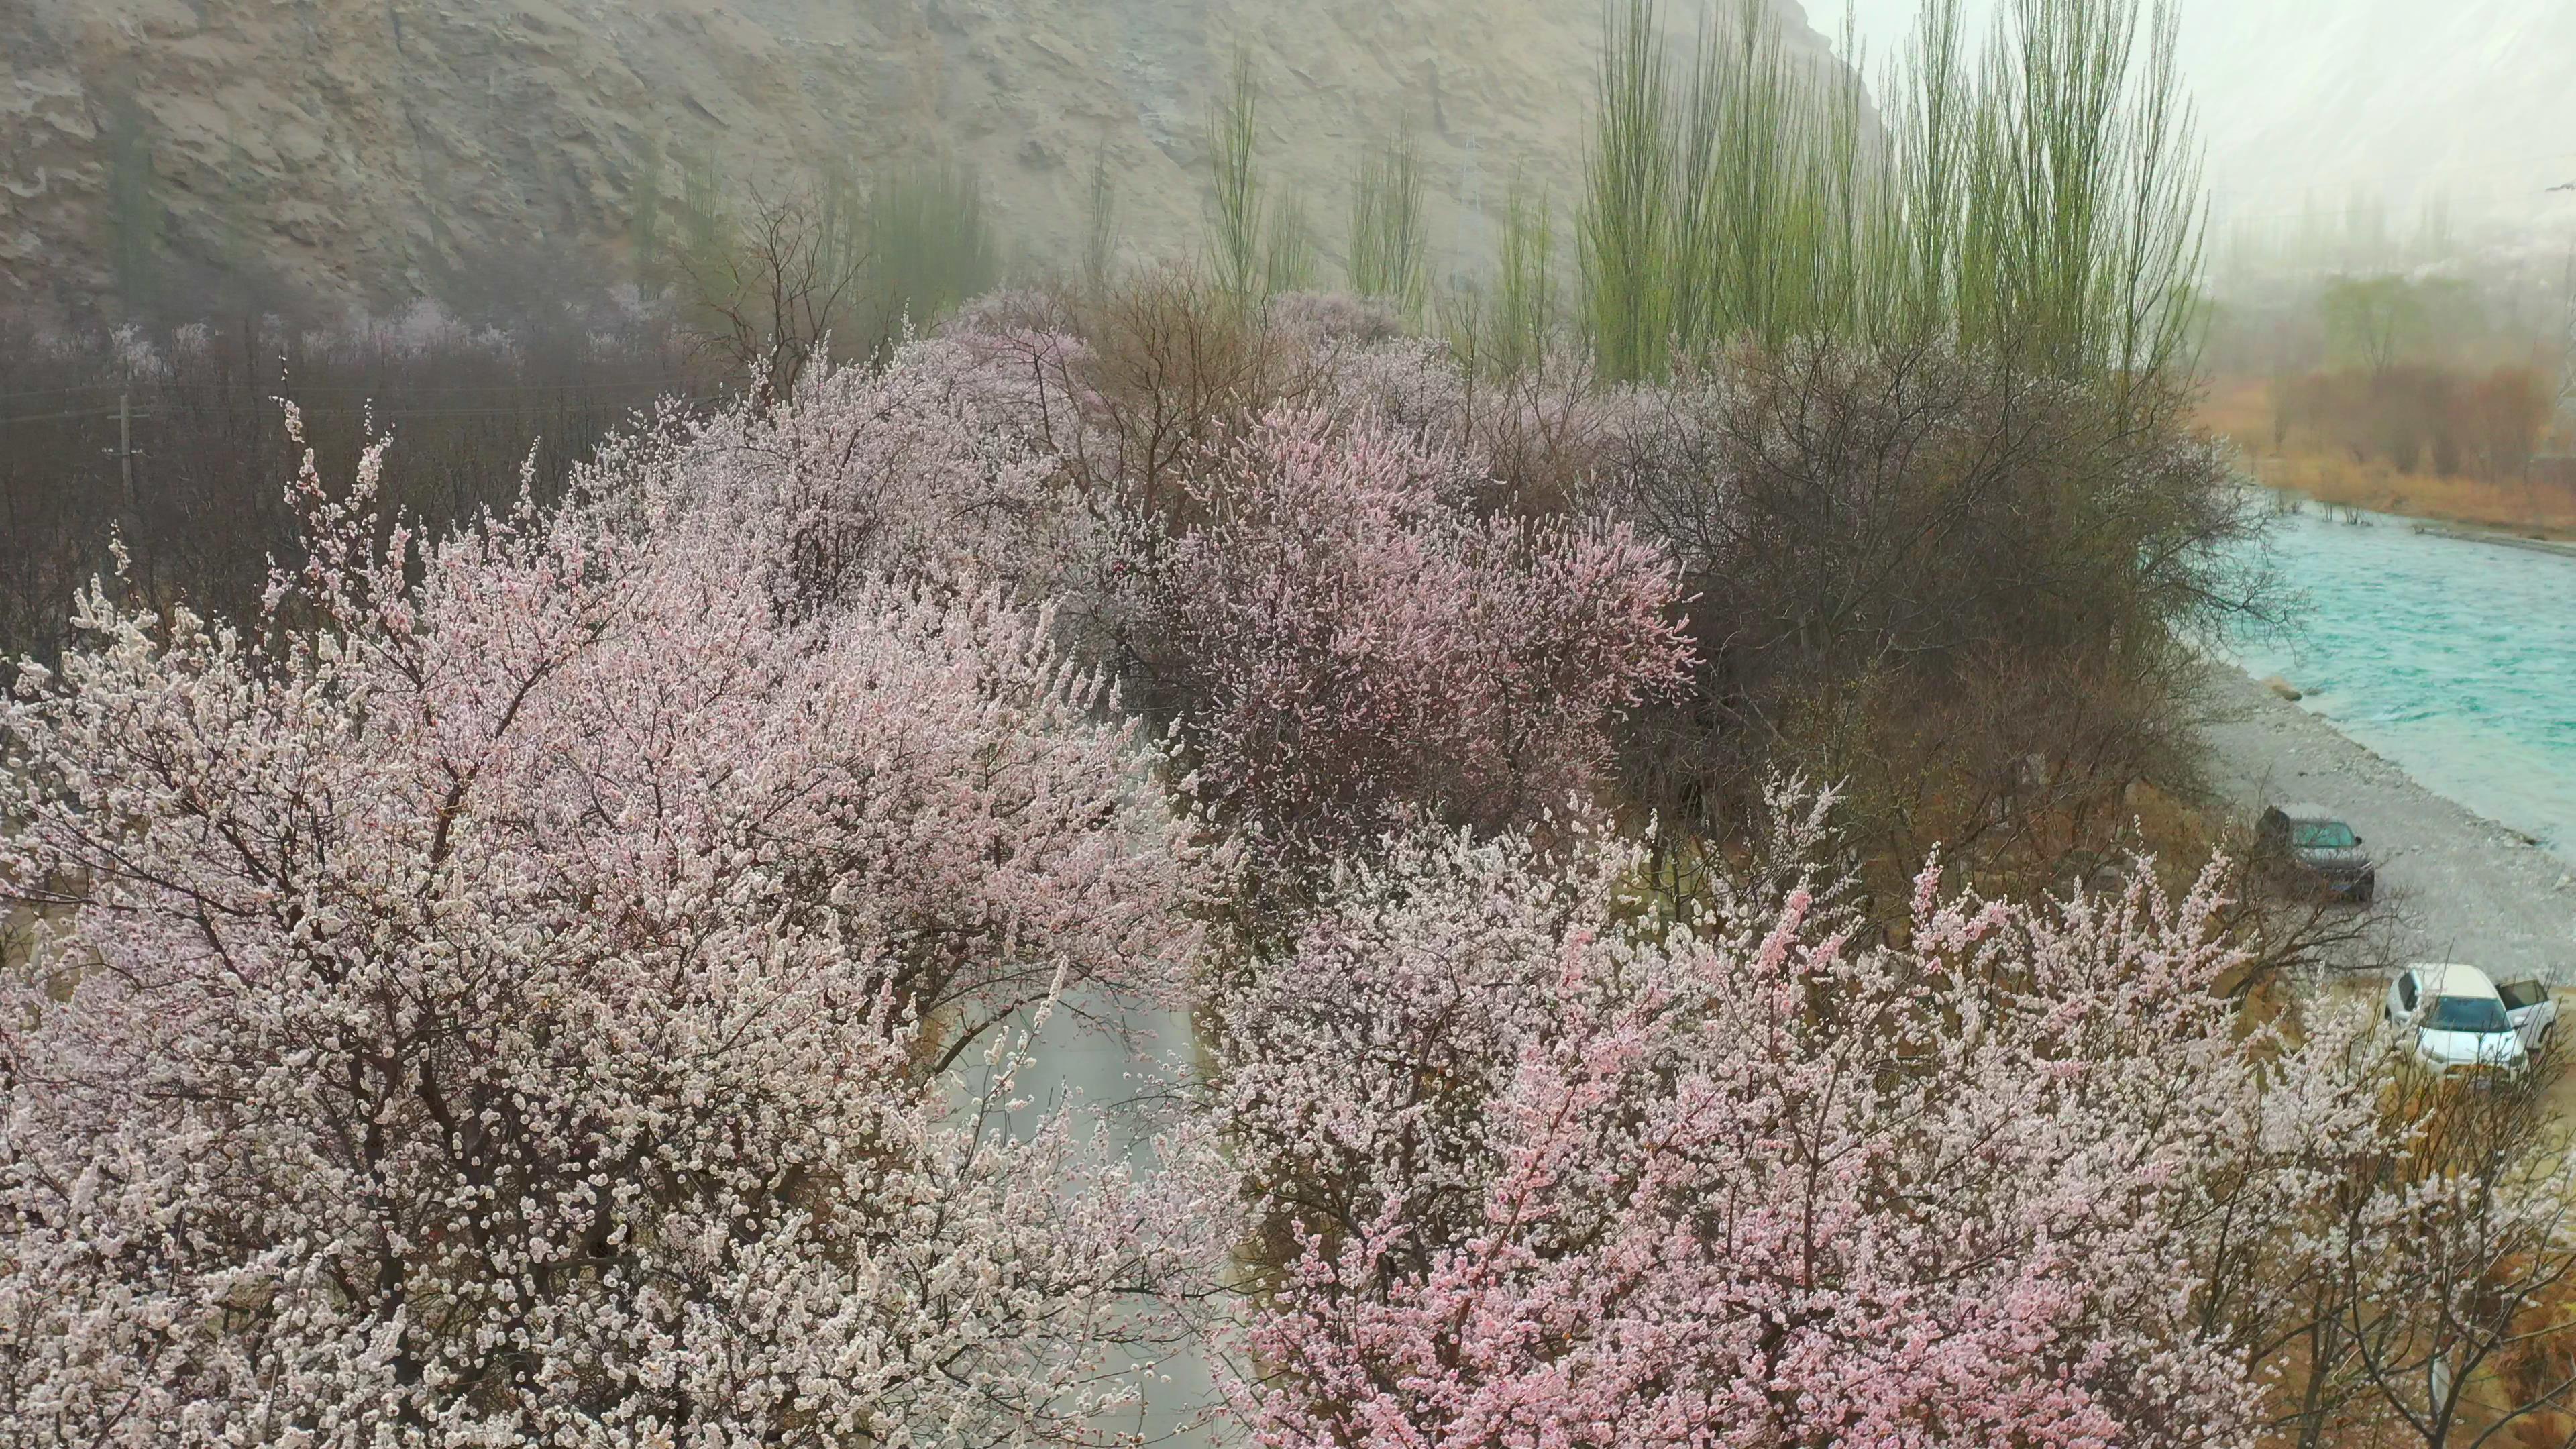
(541, 956)
(2438, 390)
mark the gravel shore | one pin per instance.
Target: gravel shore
(2453, 885)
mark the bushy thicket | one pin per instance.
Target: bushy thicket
(2446, 373)
(1965, 592)
(2421, 418)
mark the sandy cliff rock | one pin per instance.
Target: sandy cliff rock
(365, 149)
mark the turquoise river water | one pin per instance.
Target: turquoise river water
(2455, 660)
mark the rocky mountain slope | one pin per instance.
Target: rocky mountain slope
(367, 149)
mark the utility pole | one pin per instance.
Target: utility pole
(125, 453)
(125, 442)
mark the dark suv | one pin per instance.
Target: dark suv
(2318, 845)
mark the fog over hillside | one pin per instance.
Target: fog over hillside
(2410, 99)
(366, 151)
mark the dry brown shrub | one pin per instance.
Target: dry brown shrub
(2431, 420)
(1955, 589)
(1173, 364)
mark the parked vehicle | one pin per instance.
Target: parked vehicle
(2532, 1009)
(2310, 840)
(2458, 1016)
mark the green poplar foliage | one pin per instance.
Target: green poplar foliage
(2040, 203)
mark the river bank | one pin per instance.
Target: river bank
(2561, 548)
(2446, 653)
(2512, 509)
(2455, 886)
(2242, 410)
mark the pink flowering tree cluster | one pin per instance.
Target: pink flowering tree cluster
(1278, 528)
(1550, 1168)
(1345, 638)
(572, 981)
(504, 993)
(931, 468)
(1336, 606)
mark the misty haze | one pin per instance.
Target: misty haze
(1499, 724)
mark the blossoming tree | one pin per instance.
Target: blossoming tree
(1547, 1173)
(1346, 638)
(501, 996)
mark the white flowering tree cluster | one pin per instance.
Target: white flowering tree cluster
(500, 996)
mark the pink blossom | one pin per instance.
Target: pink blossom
(505, 996)
(1345, 638)
(1564, 1176)
(931, 469)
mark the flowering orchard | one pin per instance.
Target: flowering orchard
(507, 1007)
(568, 980)
(1553, 1173)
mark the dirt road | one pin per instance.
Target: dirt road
(2455, 886)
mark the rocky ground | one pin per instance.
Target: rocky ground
(2453, 886)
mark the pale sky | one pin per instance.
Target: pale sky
(2473, 98)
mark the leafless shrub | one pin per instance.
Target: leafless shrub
(1961, 589)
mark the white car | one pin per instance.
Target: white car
(2459, 1018)
(2532, 1009)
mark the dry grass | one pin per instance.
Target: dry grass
(2538, 510)
(2242, 410)
(2239, 409)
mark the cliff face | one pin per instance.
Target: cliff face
(367, 149)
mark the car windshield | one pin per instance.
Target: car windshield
(2322, 835)
(2467, 1013)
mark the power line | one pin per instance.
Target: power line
(656, 387)
(396, 414)
(148, 385)
(359, 387)
(56, 417)
(379, 414)
(57, 391)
